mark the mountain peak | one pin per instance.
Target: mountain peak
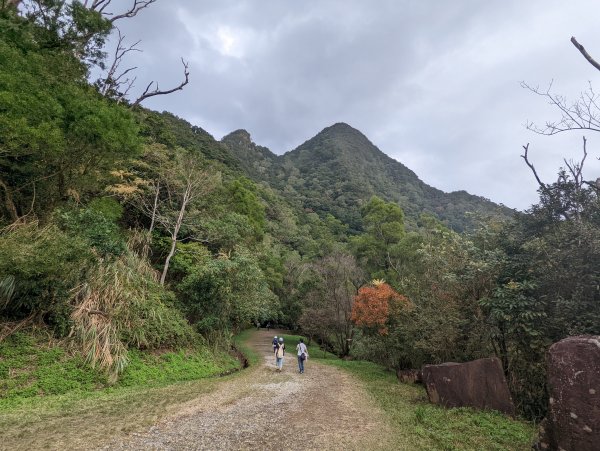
(341, 128)
(240, 135)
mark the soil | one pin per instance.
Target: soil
(322, 409)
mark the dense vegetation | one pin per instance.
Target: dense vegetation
(126, 231)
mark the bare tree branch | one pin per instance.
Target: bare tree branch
(101, 5)
(575, 167)
(585, 54)
(582, 114)
(157, 92)
(525, 157)
(114, 83)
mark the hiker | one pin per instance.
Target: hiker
(268, 327)
(302, 355)
(275, 342)
(280, 354)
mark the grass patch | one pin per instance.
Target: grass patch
(30, 367)
(170, 367)
(34, 367)
(49, 397)
(241, 343)
(417, 424)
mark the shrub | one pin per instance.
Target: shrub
(40, 266)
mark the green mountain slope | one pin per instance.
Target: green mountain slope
(339, 169)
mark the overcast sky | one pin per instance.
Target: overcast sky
(434, 84)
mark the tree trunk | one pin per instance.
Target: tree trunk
(163, 276)
(155, 207)
(186, 198)
(8, 202)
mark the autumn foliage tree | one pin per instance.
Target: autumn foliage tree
(375, 305)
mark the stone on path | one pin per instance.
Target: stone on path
(480, 384)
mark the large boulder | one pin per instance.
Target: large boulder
(573, 421)
(409, 376)
(480, 384)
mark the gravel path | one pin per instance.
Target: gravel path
(322, 409)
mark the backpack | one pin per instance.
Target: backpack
(280, 350)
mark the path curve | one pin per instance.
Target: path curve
(323, 409)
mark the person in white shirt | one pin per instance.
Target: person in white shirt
(302, 355)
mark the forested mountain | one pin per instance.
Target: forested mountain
(339, 170)
(125, 231)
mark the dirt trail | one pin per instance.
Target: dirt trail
(323, 409)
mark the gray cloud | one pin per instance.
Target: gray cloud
(435, 85)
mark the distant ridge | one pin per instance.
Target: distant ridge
(339, 169)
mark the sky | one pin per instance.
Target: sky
(434, 84)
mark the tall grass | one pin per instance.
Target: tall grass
(121, 304)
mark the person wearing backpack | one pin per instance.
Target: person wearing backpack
(280, 354)
(275, 343)
(302, 355)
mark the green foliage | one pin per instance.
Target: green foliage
(228, 291)
(188, 257)
(153, 322)
(45, 264)
(30, 367)
(107, 207)
(58, 136)
(339, 170)
(167, 129)
(243, 200)
(94, 225)
(150, 370)
(378, 246)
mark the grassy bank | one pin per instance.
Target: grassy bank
(51, 398)
(36, 367)
(241, 343)
(420, 425)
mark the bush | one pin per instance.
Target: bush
(42, 265)
(121, 304)
(95, 224)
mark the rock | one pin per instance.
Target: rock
(409, 376)
(480, 384)
(573, 421)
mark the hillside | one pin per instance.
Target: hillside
(339, 169)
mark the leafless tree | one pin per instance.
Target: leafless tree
(172, 195)
(585, 54)
(581, 114)
(103, 7)
(148, 92)
(328, 306)
(117, 84)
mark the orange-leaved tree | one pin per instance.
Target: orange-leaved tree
(376, 304)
